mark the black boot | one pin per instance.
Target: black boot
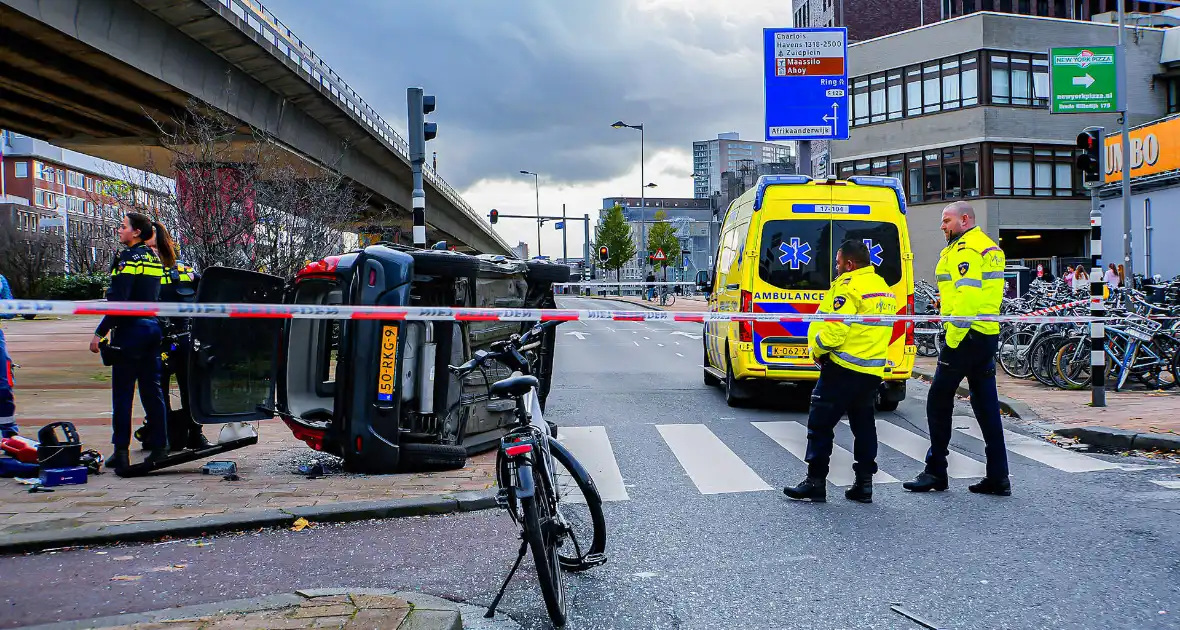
(812, 488)
(196, 439)
(997, 486)
(119, 460)
(926, 482)
(862, 490)
(156, 455)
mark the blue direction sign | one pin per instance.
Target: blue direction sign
(806, 83)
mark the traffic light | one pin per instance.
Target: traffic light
(603, 253)
(494, 216)
(1089, 158)
(420, 131)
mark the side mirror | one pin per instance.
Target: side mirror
(704, 283)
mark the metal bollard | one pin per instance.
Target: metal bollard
(1097, 307)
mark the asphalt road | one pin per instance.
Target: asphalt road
(695, 543)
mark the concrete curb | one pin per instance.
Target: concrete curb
(1009, 406)
(429, 612)
(206, 525)
(1122, 439)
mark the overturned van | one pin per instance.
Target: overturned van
(375, 392)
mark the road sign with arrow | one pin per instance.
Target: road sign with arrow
(1083, 80)
(806, 80)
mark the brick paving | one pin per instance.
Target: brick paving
(343, 612)
(59, 379)
(1142, 411)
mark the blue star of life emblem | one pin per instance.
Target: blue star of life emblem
(874, 252)
(795, 253)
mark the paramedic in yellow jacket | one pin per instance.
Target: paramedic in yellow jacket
(970, 277)
(851, 356)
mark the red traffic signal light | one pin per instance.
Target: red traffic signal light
(603, 253)
(1089, 158)
(494, 216)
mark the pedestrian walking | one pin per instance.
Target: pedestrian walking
(177, 284)
(651, 289)
(8, 426)
(970, 276)
(1112, 277)
(135, 342)
(852, 359)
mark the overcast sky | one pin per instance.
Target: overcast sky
(535, 84)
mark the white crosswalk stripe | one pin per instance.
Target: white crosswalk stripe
(591, 447)
(793, 437)
(915, 446)
(1035, 449)
(1173, 484)
(712, 466)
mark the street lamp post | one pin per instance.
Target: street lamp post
(537, 182)
(642, 178)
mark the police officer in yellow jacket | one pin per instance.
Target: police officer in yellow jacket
(852, 360)
(970, 276)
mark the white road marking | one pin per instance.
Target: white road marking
(636, 343)
(679, 355)
(915, 447)
(1167, 483)
(712, 466)
(793, 437)
(591, 447)
(1059, 458)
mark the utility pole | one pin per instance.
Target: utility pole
(1128, 249)
(1091, 165)
(565, 255)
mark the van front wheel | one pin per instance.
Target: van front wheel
(735, 391)
(710, 380)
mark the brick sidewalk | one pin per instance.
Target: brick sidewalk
(59, 379)
(1142, 411)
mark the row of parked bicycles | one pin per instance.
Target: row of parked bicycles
(1142, 337)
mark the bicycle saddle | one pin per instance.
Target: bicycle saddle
(514, 386)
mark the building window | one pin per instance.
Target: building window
(22, 168)
(1173, 95)
(932, 87)
(1019, 79)
(938, 174)
(43, 198)
(1040, 171)
(76, 180)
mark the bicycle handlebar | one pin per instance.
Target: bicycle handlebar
(513, 345)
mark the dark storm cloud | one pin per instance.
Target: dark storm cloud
(535, 84)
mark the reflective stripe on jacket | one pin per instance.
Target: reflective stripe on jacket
(858, 346)
(970, 276)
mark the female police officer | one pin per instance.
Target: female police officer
(135, 277)
(177, 284)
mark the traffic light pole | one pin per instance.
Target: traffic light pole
(418, 105)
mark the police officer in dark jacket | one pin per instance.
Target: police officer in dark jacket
(135, 342)
(178, 284)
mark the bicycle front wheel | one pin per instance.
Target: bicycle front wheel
(543, 538)
(580, 509)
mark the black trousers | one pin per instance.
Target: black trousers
(138, 363)
(975, 360)
(841, 391)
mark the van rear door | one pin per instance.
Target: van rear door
(794, 271)
(233, 366)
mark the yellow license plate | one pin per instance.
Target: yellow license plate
(788, 352)
(387, 366)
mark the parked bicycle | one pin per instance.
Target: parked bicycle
(665, 296)
(544, 489)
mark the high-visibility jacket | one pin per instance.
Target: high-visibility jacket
(858, 346)
(135, 277)
(970, 276)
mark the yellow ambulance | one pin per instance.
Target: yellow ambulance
(776, 254)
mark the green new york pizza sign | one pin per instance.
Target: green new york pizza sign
(1083, 80)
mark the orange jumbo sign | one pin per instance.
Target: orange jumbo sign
(1155, 148)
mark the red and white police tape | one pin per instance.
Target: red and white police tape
(409, 313)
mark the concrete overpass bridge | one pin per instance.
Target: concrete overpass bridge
(93, 75)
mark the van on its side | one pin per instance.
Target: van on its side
(776, 254)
